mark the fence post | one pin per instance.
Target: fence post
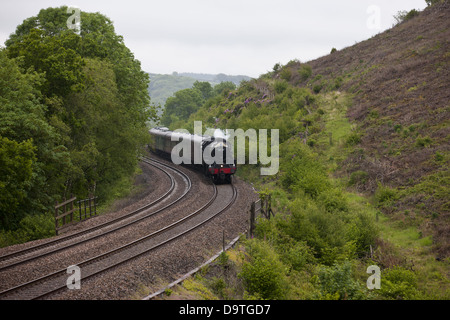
(90, 208)
(56, 217)
(71, 208)
(252, 220)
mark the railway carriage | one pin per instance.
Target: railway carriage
(213, 156)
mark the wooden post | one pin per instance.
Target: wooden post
(223, 240)
(56, 217)
(90, 208)
(252, 220)
(71, 209)
(65, 210)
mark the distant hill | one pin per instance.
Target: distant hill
(163, 86)
(215, 78)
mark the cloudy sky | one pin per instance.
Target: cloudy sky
(228, 36)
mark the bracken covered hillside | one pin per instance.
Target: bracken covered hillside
(401, 85)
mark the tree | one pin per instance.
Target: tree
(182, 105)
(80, 102)
(16, 160)
(205, 88)
(29, 138)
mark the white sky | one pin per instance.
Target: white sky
(229, 36)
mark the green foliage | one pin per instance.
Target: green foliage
(303, 172)
(264, 275)
(73, 112)
(337, 282)
(385, 196)
(305, 72)
(182, 105)
(16, 160)
(399, 283)
(286, 74)
(31, 227)
(353, 139)
(358, 178)
(422, 142)
(405, 15)
(280, 86)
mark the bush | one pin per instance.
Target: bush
(286, 74)
(399, 283)
(337, 282)
(305, 72)
(385, 196)
(317, 87)
(353, 139)
(358, 178)
(422, 142)
(264, 275)
(280, 86)
(32, 227)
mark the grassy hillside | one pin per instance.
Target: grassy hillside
(363, 174)
(401, 88)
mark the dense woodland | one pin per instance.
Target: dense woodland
(73, 112)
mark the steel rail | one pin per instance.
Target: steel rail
(98, 227)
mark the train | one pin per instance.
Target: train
(212, 155)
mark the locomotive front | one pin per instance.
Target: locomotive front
(218, 160)
(215, 153)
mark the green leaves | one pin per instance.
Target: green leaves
(79, 102)
(16, 160)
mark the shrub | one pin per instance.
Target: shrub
(337, 282)
(422, 142)
(385, 196)
(286, 74)
(280, 86)
(305, 72)
(353, 139)
(333, 200)
(399, 283)
(298, 255)
(264, 275)
(358, 178)
(317, 87)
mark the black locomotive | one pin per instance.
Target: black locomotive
(212, 155)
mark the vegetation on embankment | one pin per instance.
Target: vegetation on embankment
(363, 174)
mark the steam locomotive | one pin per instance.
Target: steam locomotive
(212, 155)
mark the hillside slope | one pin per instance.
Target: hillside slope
(363, 176)
(402, 109)
(400, 81)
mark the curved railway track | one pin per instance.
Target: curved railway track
(61, 243)
(48, 284)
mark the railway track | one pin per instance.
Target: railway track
(48, 284)
(16, 258)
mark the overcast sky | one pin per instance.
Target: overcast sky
(228, 36)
